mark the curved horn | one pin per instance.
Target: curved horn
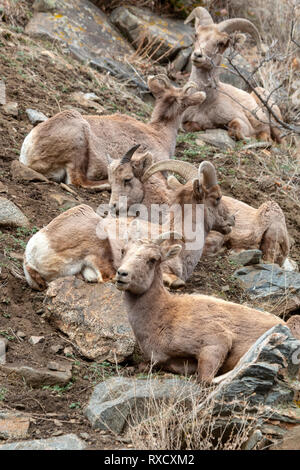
(201, 16)
(166, 236)
(189, 85)
(240, 24)
(208, 172)
(127, 157)
(184, 169)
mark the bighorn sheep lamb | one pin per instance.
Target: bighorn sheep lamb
(225, 106)
(75, 147)
(185, 333)
(263, 228)
(133, 178)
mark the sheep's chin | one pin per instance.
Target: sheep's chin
(202, 63)
(121, 285)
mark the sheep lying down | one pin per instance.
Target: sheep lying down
(186, 334)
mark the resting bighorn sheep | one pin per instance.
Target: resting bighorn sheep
(225, 106)
(135, 179)
(185, 333)
(263, 228)
(68, 245)
(75, 147)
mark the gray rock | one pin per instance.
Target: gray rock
(246, 257)
(114, 402)
(13, 425)
(265, 375)
(44, 5)
(66, 442)
(36, 377)
(81, 25)
(36, 339)
(35, 117)
(229, 75)
(182, 58)
(290, 441)
(21, 172)
(11, 109)
(217, 137)
(268, 282)
(11, 215)
(93, 316)
(142, 27)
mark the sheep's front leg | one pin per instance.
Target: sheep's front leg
(77, 177)
(210, 360)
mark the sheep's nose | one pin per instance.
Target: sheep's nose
(122, 273)
(198, 54)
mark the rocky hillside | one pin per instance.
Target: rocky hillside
(61, 351)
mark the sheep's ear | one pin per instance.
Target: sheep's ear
(173, 183)
(170, 252)
(156, 86)
(198, 190)
(194, 99)
(237, 39)
(141, 163)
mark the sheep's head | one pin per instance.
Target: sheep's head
(211, 40)
(171, 101)
(141, 259)
(201, 188)
(125, 178)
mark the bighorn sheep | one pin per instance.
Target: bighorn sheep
(225, 106)
(135, 179)
(68, 245)
(75, 147)
(185, 333)
(263, 228)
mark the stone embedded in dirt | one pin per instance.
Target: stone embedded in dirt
(62, 200)
(66, 442)
(21, 172)
(269, 282)
(36, 340)
(88, 100)
(13, 425)
(216, 137)
(56, 348)
(11, 109)
(266, 374)
(246, 257)
(11, 215)
(3, 348)
(21, 334)
(82, 25)
(61, 367)
(117, 401)
(165, 37)
(290, 265)
(93, 316)
(35, 117)
(36, 377)
(3, 188)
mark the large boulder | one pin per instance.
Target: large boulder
(11, 215)
(164, 37)
(92, 316)
(116, 401)
(80, 24)
(66, 442)
(272, 284)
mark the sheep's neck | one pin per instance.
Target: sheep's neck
(207, 80)
(167, 130)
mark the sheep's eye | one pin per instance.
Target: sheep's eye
(218, 199)
(127, 181)
(122, 252)
(151, 260)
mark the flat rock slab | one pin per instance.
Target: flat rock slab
(35, 117)
(10, 214)
(21, 172)
(269, 282)
(266, 375)
(143, 27)
(217, 137)
(93, 316)
(13, 425)
(246, 257)
(115, 401)
(66, 442)
(36, 377)
(81, 25)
